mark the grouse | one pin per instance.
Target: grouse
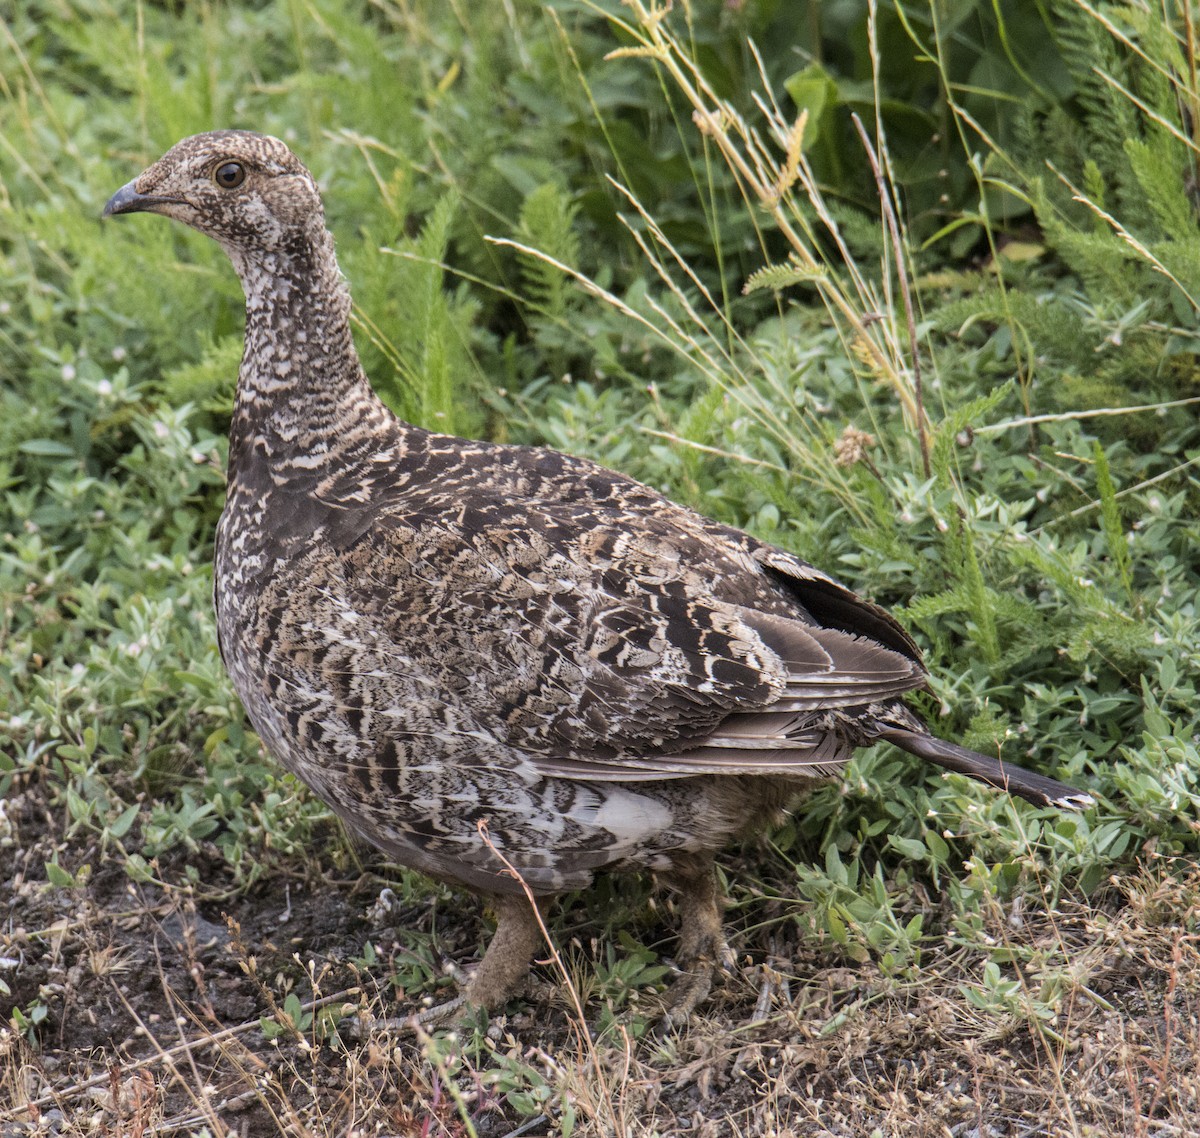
(507, 667)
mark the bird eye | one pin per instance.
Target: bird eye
(230, 175)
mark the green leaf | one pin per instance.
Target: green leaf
(814, 91)
(59, 877)
(909, 847)
(48, 448)
(119, 827)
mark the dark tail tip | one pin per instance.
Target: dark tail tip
(1033, 787)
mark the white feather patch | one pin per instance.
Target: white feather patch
(630, 818)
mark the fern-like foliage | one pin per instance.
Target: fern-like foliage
(415, 328)
(1106, 118)
(778, 277)
(547, 223)
(209, 382)
(1116, 203)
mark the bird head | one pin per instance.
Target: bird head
(246, 190)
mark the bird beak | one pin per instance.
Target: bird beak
(128, 200)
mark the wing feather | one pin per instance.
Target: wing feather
(611, 655)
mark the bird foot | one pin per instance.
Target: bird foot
(500, 976)
(702, 946)
(695, 982)
(448, 1011)
(413, 1022)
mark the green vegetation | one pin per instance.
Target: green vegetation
(912, 289)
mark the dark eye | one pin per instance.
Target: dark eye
(230, 175)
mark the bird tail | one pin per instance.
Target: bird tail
(1035, 788)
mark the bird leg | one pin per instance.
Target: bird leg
(702, 947)
(504, 965)
(509, 955)
(499, 974)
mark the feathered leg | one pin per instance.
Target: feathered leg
(504, 965)
(702, 947)
(509, 955)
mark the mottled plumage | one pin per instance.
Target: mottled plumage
(435, 633)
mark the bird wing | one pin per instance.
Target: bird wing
(822, 669)
(826, 601)
(610, 651)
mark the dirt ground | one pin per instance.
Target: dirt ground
(150, 1001)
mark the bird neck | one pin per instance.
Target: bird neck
(301, 389)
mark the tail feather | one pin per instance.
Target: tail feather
(1035, 788)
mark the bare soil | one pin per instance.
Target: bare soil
(155, 996)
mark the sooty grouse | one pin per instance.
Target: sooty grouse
(435, 633)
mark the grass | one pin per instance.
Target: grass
(925, 316)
